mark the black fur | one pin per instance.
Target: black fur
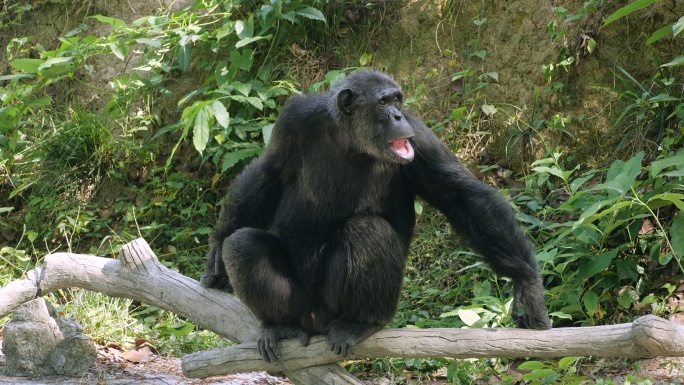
(315, 233)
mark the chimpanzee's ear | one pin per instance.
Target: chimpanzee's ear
(344, 101)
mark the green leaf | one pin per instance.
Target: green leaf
(200, 132)
(240, 28)
(547, 255)
(493, 75)
(566, 361)
(532, 365)
(628, 9)
(588, 214)
(254, 101)
(27, 65)
(151, 42)
(245, 29)
(595, 266)
(231, 159)
(591, 45)
(183, 329)
(185, 99)
(664, 98)
(117, 50)
(567, 61)
(114, 22)
(489, 109)
(468, 316)
(250, 40)
(221, 114)
(675, 174)
(590, 301)
(224, 31)
(9, 117)
(659, 34)
(242, 59)
(365, 59)
(677, 234)
(622, 175)
(204, 230)
(659, 165)
(189, 113)
(632, 168)
(242, 88)
(678, 26)
(674, 198)
(55, 70)
(479, 22)
(615, 207)
(54, 61)
(625, 300)
(44, 101)
(289, 16)
(482, 54)
(664, 259)
(538, 374)
(184, 55)
(574, 309)
(589, 235)
(543, 161)
(627, 269)
(266, 133)
(550, 170)
(417, 207)
(560, 314)
(16, 76)
(577, 183)
(311, 13)
(679, 60)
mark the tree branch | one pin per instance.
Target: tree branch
(139, 275)
(648, 336)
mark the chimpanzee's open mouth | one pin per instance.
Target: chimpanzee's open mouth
(403, 148)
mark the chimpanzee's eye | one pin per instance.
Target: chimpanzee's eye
(382, 102)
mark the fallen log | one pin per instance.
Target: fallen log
(139, 275)
(648, 336)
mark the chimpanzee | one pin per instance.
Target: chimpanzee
(314, 234)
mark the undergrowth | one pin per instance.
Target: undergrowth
(152, 160)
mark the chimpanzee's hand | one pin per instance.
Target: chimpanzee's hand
(531, 295)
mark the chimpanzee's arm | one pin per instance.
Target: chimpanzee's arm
(482, 215)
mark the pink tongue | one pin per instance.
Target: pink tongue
(403, 148)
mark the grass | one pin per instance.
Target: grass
(103, 318)
(124, 321)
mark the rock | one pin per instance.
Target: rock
(75, 354)
(37, 343)
(29, 340)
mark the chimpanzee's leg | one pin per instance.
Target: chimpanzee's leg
(366, 260)
(259, 271)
